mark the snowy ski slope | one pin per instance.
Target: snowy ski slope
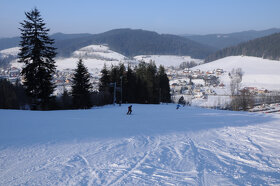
(156, 145)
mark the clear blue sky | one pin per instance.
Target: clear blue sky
(163, 16)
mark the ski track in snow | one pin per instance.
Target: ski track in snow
(228, 155)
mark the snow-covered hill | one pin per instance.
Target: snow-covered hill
(10, 52)
(156, 145)
(258, 72)
(94, 57)
(98, 52)
(167, 60)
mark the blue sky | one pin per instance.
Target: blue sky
(163, 16)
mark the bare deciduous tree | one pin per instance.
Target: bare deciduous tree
(235, 82)
(241, 98)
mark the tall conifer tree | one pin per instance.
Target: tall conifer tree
(81, 87)
(163, 85)
(104, 80)
(37, 54)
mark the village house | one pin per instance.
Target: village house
(210, 72)
(219, 71)
(262, 91)
(14, 72)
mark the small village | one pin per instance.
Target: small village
(61, 78)
(205, 89)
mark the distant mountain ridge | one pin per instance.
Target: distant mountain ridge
(131, 42)
(220, 41)
(128, 42)
(267, 47)
(138, 42)
(14, 41)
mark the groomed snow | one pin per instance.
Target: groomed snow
(156, 145)
(258, 72)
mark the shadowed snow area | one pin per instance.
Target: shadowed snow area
(156, 145)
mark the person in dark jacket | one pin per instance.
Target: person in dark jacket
(129, 110)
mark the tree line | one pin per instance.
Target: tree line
(144, 84)
(265, 47)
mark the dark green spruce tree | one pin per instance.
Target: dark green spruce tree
(37, 53)
(129, 86)
(105, 96)
(81, 87)
(164, 94)
(104, 80)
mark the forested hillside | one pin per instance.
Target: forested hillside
(128, 42)
(266, 47)
(220, 41)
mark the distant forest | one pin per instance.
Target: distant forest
(266, 47)
(144, 84)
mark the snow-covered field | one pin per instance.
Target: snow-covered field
(156, 145)
(258, 72)
(167, 60)
(98, 52)
(95, 56)
(93, 65)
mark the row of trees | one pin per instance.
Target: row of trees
(17, 96)
(144, 84)
(12, 96)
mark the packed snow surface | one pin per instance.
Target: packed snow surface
(258, 72)
(167, 60)
(156, 145)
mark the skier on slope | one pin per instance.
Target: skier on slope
(129, 110)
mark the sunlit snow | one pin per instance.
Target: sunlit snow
(156, 145)
(258, 72)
